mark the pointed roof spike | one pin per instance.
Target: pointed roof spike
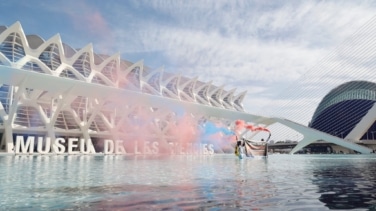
(151, 74)
(216, 89)
(16, 25)
(203, 84)
(168, 79)
(124, 73)
(52, 40)
(17, 29)
(105, 61)
(56, 36)
(229, 95)
(187, 82)
(238, 100)
(87, 49)
(241, 95)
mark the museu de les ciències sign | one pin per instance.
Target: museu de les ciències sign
(41, 145)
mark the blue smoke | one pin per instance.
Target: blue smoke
(209, 128)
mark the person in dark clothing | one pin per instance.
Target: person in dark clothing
(240, 142)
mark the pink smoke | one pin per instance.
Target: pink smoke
(88, 19)
(241, 125)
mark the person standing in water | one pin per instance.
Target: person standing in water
(238, 148)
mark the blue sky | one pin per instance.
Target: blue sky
(263, 47)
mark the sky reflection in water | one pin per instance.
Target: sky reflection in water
(219, 182)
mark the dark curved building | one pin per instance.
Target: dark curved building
(344, 107)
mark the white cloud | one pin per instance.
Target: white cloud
(292, 41)
(274, 49)
(260, 47)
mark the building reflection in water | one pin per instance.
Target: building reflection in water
(348, 185)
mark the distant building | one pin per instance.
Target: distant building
(348, 111)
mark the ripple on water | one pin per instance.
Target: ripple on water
(219, 182)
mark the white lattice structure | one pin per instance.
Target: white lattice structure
(48, 89)
(55, 112)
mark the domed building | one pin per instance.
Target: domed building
(348, 111)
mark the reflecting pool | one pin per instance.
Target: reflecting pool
(203, 182)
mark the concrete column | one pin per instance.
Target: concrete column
(8, 132)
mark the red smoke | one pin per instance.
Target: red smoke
(240, 125)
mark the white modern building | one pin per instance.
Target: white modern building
(50, 90)
(58, 99)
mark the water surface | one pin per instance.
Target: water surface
(182, 182)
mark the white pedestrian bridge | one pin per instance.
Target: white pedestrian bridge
(58, 86)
